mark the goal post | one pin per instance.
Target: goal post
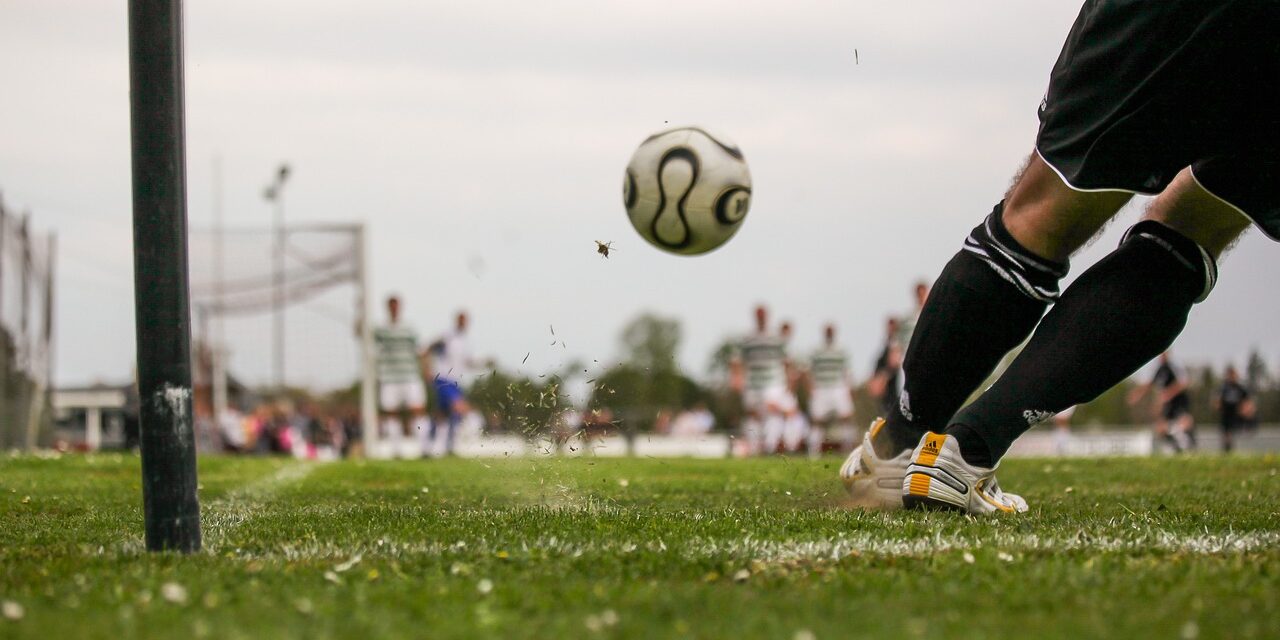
(171, 511)
(368, 362)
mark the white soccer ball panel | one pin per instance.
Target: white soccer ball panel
(687, 191)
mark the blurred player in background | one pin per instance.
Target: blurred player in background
(452, 363)
(1174, 99)
(400, 387)
(794, 425)
(759, 366)
(831, 390)
(907, 325)
(1233, 404)
(1174, 422)
(906, 329)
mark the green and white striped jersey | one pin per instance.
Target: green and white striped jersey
(397, 348)
(906, 327)
(764, 357)
(829, 367)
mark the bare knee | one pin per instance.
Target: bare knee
(1050, 218)
(1197, 214)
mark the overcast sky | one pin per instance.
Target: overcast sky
(484, 142)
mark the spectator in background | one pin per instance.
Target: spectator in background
(232, 431)
(1233, 403)
(352, 435)
(693, 422)
(663, 422)
(596, 424)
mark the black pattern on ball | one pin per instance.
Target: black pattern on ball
(732, 205)
(678, 153)
(629, 190)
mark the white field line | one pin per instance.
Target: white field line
(224, 515)
(789, 550)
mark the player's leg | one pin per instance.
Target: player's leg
(818, 431)
(752, 423)
(390, 403)
(1163, 433)
(442, 423)
(794, 432)
(458, 409)
(1187, 430)
(1135, 97)
(772, 420)
(774, 424)
(990, 296)
(823, 416)
(1229, 427)
(1160, 429)
(1232, 423)
(1121, 313)
(416, 399)
(793, 422)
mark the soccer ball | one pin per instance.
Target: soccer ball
(686, 190)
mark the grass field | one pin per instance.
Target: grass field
(639, 548)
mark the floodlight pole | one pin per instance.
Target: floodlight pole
(274, 193)
(161, 295)
(218, 367)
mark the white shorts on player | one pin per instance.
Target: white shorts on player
(830, 404)
(399, 396)
(790, 404)
(763, 422)
(795, 429)
(762, 402)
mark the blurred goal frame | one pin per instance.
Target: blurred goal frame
(366, 354)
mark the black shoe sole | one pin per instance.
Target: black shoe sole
(925, 503)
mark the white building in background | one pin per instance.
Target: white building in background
(92, 418)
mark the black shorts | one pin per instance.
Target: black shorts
(1179, 406)
(1145, 88)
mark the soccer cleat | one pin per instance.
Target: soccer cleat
(937, 477)
(874, 481)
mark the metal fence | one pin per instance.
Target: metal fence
(26, 331)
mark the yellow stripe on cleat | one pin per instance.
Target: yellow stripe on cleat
(875, 428)
(919, 485)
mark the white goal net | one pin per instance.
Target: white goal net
(26, 331)
(281, 312)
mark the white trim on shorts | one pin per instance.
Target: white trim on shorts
(1190, 169)
(1072, 187)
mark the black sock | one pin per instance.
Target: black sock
(986, 301)
(973, 448)
(1120, 314)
